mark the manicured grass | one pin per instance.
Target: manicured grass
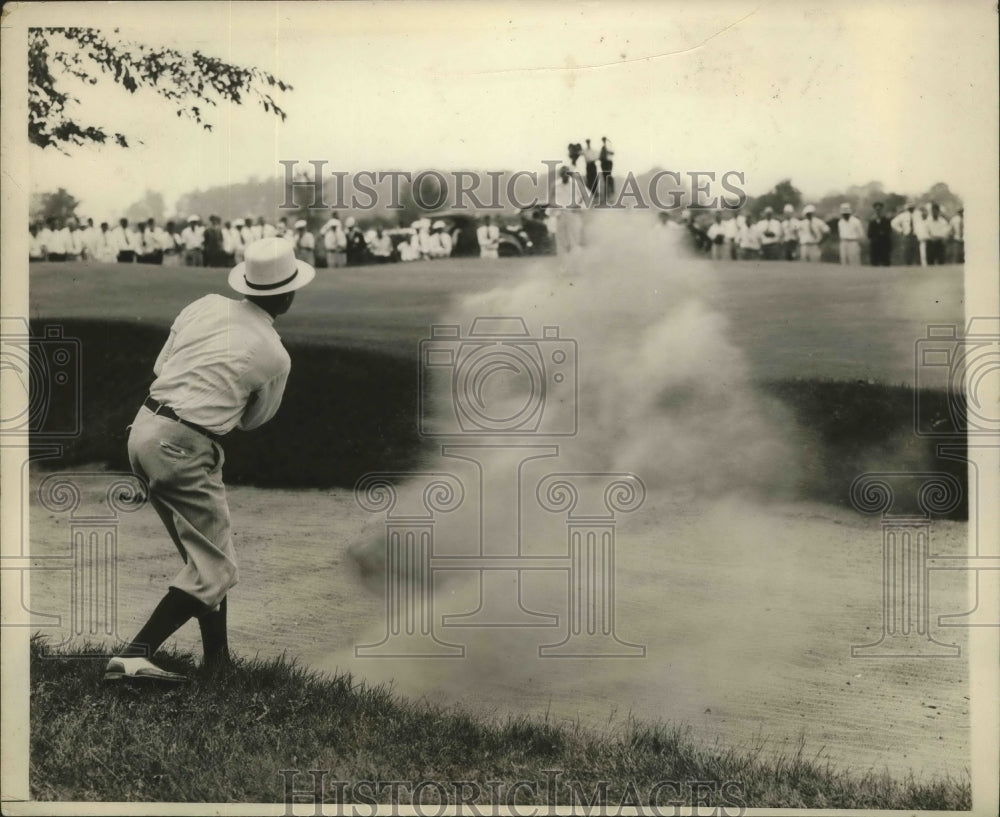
(229, 740)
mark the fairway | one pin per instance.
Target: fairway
(789, 319)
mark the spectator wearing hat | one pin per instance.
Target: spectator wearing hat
(304, 242)
(125, 242)
(222, 367)
(193, 237)
(811, 232)
(879, 237)
(850, 232)
(938, 233)
(904, 224)
(958, 237)
(770, 235)
(441, 244)
(789, 234)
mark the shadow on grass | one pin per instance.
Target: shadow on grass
(349, 412)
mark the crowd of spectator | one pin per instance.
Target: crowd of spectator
(921, 235)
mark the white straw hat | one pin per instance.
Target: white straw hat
(270, 268)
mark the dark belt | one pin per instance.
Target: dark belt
(160, 409)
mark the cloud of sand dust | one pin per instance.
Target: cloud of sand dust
(663, 394)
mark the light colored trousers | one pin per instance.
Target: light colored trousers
(850, 252)
(810, 252)
(569, 231)
(184, 472)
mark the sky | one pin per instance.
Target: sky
(829, 94)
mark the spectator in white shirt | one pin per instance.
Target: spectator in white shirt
(958, 237)
(488, 235)
(334, 242)
(920, 231)
(790, 234)
(440, 243)
(305, 242)
(770, 235)
(851, 232)
(236, 240)
(748, 239)
(719, 236)
(903, 224)
(193, 237)
(56, 239)
(938, 232)
(255, 230)
(36, 250)
(125, 242)
(74, 241)
(281, 231)
(811, 231)
(87, 236)
(381, 246)
(105, 247)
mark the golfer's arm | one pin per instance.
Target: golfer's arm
(263, 403)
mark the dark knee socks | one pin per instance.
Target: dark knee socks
(214, 638)
(170, 615)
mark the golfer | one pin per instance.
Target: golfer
(223, 367)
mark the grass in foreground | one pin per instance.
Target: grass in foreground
(229, 741)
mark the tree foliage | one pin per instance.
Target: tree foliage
(192, 82)
(60, 205)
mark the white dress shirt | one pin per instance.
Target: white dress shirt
(902, 222)
(749, 236)
(850, 228)
(770, 225)
(958, 227)
(123, 239)
(57, 241)
(193, 238)
(223, 366)
(938, 227)
(811, 230)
